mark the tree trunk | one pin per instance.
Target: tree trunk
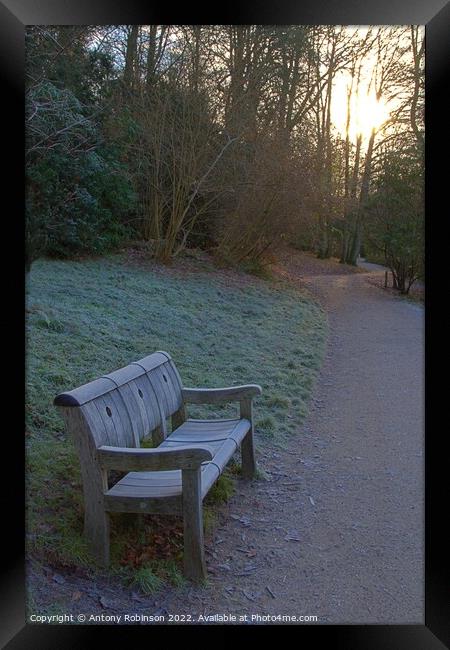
(324, 243)
(418, 52)
(358, 223)
(151, 58)
(355, 247)
(344, 245)
(129, 73)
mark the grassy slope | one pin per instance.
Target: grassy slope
(88, 318)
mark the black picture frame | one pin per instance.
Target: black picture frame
(14, 15)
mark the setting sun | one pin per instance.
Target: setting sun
(249, 198)
(366, 112)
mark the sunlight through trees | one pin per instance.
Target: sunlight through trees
(234, 139)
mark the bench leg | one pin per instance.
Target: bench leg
(96, 530)
(194, 553)
(248, 456)
(247, 449)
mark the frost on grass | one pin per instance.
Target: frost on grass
(102, 314)
(85, 319)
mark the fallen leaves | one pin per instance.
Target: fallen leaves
(249, 595)
(160, 539)
(104, 602)
(245, 521)
(58, 578)
(247, 570)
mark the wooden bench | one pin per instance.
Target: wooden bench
(110, 416)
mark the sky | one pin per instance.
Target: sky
(366, 112)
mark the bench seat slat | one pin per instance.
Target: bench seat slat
(213, 447)
(141, 481)
(158, 478)
(210, 431)
(210, 474)
(141, 485)
(226, 451)
(189, 427)
(155, 491)
(218, 421)
(221, 442)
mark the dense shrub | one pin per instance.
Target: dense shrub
(395, 224)
(76, 194)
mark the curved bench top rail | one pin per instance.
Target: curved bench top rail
(217, 395)
(153, 360)
(107, 383)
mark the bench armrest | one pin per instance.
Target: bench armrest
(217, 395)
(134, 460)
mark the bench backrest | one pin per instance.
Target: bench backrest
(123, 407)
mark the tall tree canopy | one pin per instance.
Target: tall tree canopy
(231, 138)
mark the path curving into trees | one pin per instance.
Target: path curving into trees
(337, 529)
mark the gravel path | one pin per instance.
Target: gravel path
(336, 530)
